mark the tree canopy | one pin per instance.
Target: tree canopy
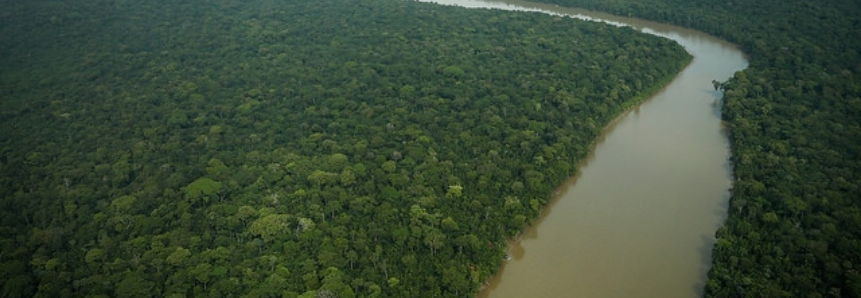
(325, 148)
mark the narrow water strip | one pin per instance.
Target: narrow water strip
(638, 219)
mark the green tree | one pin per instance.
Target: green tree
(134, 284)
(202, 273)
(270, 227)
(178, 257)
(202, 189)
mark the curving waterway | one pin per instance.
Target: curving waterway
(638, 219)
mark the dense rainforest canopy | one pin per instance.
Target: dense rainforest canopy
(794, 226)
(293, 148)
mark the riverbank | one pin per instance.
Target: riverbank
(657, 175)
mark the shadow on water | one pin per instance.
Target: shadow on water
(707, 243)
(717, 104)
(705, 250)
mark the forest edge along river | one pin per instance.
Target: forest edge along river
(638, 220)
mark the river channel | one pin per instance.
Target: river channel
(638, 220)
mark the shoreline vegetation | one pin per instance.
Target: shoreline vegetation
(326, 148)
(794, 120)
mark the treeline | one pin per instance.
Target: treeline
(794, 225)
(324, 148)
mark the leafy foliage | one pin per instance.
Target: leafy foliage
(325, 148)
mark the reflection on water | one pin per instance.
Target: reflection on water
(639, 218)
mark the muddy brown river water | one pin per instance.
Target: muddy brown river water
(638, 219)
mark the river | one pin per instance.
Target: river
(638, 220)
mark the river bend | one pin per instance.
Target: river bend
(638, 219)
